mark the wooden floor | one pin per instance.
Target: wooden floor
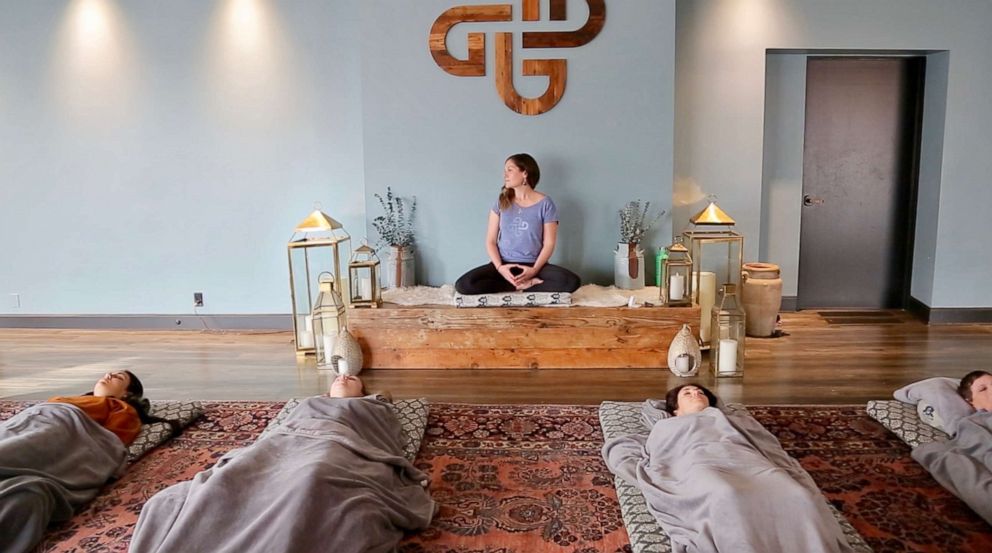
(818, 362)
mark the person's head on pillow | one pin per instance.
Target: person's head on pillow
(688, 399)
(976, 389)
(347, 386)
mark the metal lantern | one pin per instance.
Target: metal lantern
(676, 276)
(363, 278)
(329, 318)
(727, 344)
(313, 249)
(715, 247)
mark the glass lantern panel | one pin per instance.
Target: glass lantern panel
(305, 266)
(324, 334)
(677, 284)
(720, 256)
(360, 282)
(727, 344)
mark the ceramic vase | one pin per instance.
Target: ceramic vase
(685, 343)
(398, 271)
(761, 298)
(628, 266)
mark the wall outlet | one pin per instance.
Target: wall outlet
(197, 299)
(15, 301)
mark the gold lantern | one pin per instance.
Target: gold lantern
(717, 253)
(313, 249)
(727, 325)
(329, 318)
(363, 278)
(676, 276)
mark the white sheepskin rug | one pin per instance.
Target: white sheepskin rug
(420, 295)
(594, 295)
(590, 295)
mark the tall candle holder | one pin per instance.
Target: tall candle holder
(727, 339)
(715, 247)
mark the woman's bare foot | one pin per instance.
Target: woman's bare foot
(528, 283)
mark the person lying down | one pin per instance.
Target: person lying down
(57, 455)
(717, 481)
(332, 477)
(963, 463)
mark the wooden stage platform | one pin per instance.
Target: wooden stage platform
(446, 337)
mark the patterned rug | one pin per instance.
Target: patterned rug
(521, 479)
(867, 473)
(518, 479)
(106, 523)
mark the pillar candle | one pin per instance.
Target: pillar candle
(676, 287)
(328, 341)
(342, 366)
(308, 323)
(364, 288)
(706, 298)
(682, 364)
(305, 339)
(728, 355)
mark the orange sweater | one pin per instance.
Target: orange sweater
(113, 414)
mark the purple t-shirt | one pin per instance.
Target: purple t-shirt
(521, 230)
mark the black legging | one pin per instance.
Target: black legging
(485, 279)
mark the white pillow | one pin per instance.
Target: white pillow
(937, 402)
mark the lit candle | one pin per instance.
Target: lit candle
(676, 287)
(728, 355)
(682, 364)
(707, 296)
(342, 366)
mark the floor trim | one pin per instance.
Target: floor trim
(949, 315)
(789, 303)
(150, 322)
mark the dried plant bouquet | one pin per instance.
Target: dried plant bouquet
(395, 225)
(635, 222)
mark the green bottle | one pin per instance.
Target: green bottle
(659, 260)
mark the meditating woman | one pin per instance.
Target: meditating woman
(331, 477)
(522, 232)
(976, 389)
(719, 481)
(55, 456)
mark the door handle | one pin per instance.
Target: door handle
(809, 200)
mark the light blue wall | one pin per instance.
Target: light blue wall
(445, 138)
(720, 76)
(179, 157)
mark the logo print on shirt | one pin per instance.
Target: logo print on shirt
(519, 226)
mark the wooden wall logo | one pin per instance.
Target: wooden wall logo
(475, 65)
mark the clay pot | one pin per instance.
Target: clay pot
(762, 298)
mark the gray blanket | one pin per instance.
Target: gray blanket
(721, 482)
(332, 477)
(53, 459)
(963, 464)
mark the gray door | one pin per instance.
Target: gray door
(859, 181)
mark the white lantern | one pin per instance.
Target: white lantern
(329, 319)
